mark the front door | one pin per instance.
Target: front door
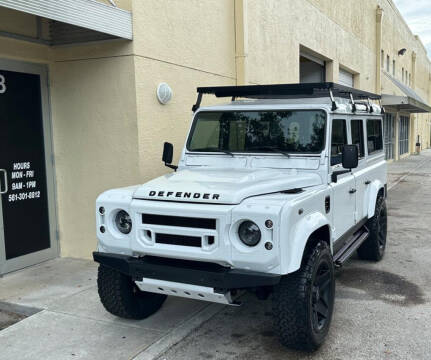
(26, 211)
(343, 202)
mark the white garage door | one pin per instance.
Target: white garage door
(345, 78)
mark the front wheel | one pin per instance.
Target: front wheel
(121, 297)
(303, 301)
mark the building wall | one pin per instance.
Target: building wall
(186, 44)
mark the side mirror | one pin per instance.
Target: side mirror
(168, 154)
(350, 157)
(349, 160)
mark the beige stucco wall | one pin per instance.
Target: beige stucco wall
(186, 44)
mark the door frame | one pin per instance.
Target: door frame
(53, 251)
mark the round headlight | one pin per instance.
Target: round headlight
(249, 233)
(123, 222)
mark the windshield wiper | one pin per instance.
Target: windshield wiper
(271, 148)
(214, 150)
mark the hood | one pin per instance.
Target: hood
(223, 186)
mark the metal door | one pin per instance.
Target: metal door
(27, 223)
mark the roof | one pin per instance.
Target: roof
(87, 14)
(409, 102)
(283, 91)
(328, 90)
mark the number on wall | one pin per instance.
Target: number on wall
(2, 84)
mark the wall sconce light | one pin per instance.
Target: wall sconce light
(164, 93)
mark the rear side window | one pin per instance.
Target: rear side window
(374, 136)
(358, 136)
(338, 140)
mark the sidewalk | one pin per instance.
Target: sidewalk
(69, 322)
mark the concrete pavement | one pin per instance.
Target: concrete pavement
(382, 310)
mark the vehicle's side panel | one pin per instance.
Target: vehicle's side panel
(299, 219)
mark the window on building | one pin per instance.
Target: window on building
(358, 136)
(407, 77)
(388, 62)
(402, 73)
(410, 79)
(393, 67)
(382, 59)
(389, 133)
(404, 135)
(338, 140)
(374, 135)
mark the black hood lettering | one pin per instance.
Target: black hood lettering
(184, 195)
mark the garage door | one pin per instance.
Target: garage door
(311, 69)
(345, 78)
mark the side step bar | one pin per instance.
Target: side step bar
(350, 246)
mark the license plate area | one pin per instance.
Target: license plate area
(179, 240)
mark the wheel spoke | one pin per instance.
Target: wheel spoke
(321, 309)
(323, 280)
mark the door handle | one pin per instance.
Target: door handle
(352, 191)
(5, 181)
(368, 182)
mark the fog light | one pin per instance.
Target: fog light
(268, 246)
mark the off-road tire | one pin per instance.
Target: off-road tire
(294, 301)
(121, 297)
(374, 247)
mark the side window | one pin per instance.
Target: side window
(338, 139)
(374, 136)
(358, 136)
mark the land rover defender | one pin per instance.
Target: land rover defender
(272, 192)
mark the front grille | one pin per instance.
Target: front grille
(190, 222)
(181, 240)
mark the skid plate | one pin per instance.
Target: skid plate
(185, 290)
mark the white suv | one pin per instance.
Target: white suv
(271, 193)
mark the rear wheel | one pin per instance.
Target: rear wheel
(121, 297)
(303, 302)
(374, 247)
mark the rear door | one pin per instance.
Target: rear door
(361, 173)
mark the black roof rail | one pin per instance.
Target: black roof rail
(285, 91)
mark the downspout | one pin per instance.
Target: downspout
(413, 117)
(241, 41)
(379, 16)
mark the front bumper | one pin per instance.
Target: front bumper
(185, 272)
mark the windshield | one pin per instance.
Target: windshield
(293, 131)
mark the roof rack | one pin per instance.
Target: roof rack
(287, 91)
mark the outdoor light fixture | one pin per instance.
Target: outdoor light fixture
(164, 93)
(402, 51)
